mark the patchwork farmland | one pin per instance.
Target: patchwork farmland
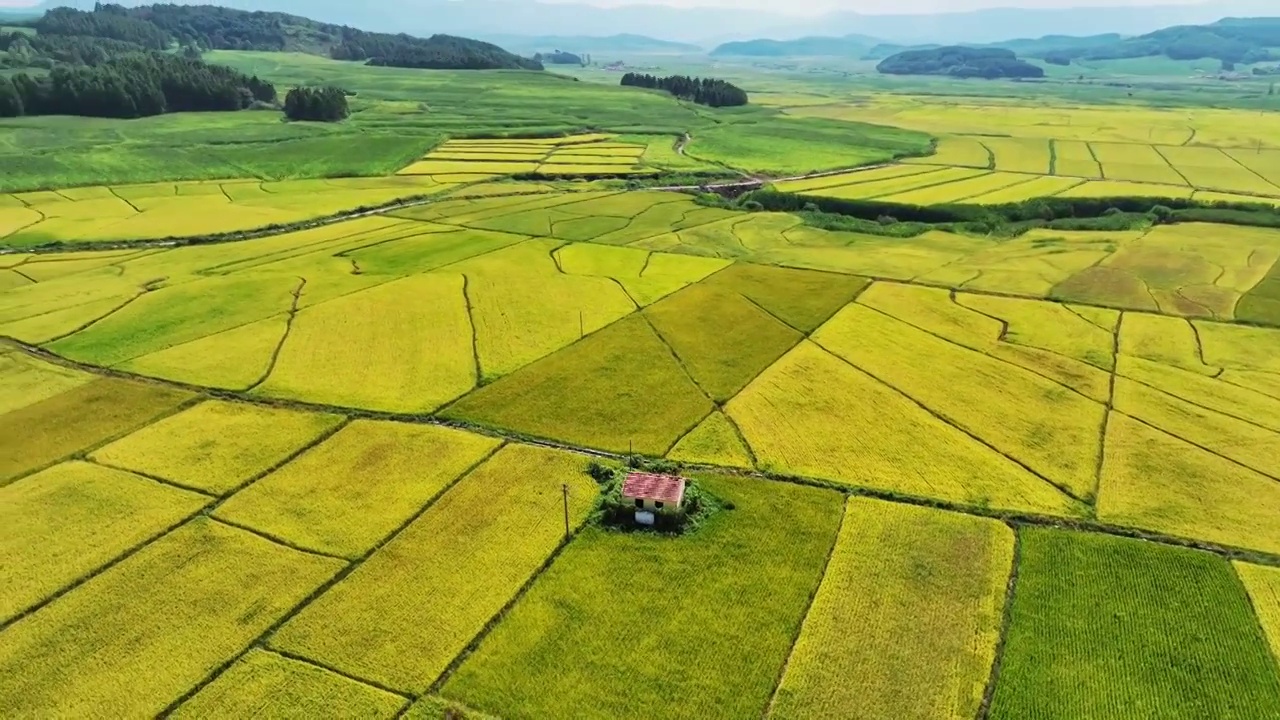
(217, 411)
(993, 171)
(311, 419)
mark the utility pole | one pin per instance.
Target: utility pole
(565, 487)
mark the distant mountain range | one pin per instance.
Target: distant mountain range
(1231, 40)
(623, 43)
(814, 46)
(490, 18)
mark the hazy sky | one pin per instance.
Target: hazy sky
(806, 7)
(811, 7)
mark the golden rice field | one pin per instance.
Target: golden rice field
(197, 209)
(341, 469)
(572, 156)
(1026, 168)
(1090, 151)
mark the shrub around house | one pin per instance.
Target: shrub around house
(619, 501)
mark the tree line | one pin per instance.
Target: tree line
(438, 52)
(704, 91)
(320, 104)
(47, 51)
(131, 86)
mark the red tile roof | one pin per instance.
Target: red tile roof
(647, 486)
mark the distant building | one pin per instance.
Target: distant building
(650, 492)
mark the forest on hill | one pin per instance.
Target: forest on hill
(1232, 40)
(158, 27)
(847, 46)
(960, 62)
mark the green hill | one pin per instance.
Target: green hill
(1231, 40)
(960, 62)
(157, 27)
(847, 46)
(622, 43)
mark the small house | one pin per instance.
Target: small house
(650, 493)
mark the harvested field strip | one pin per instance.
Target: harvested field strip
(67, 521)
(855, 177)
(263, 683)
(1109, 627)
(587, 394)
(567, 159)
(1117, 188)
(321, 501)
(569, 647)
(1028, 190)
(485, 157)
(25, 380)
(799, 414)
(359, 350)
(893, 186)
(216, 446)
(1152, 480)
(587, 170)
(721, 338)
(436, 167)
(1040, 424)
(1210, 196)
(190, 602)
(44, 432)
(403, 615)
(959, 190)
(925, 589)
(1263, 585)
